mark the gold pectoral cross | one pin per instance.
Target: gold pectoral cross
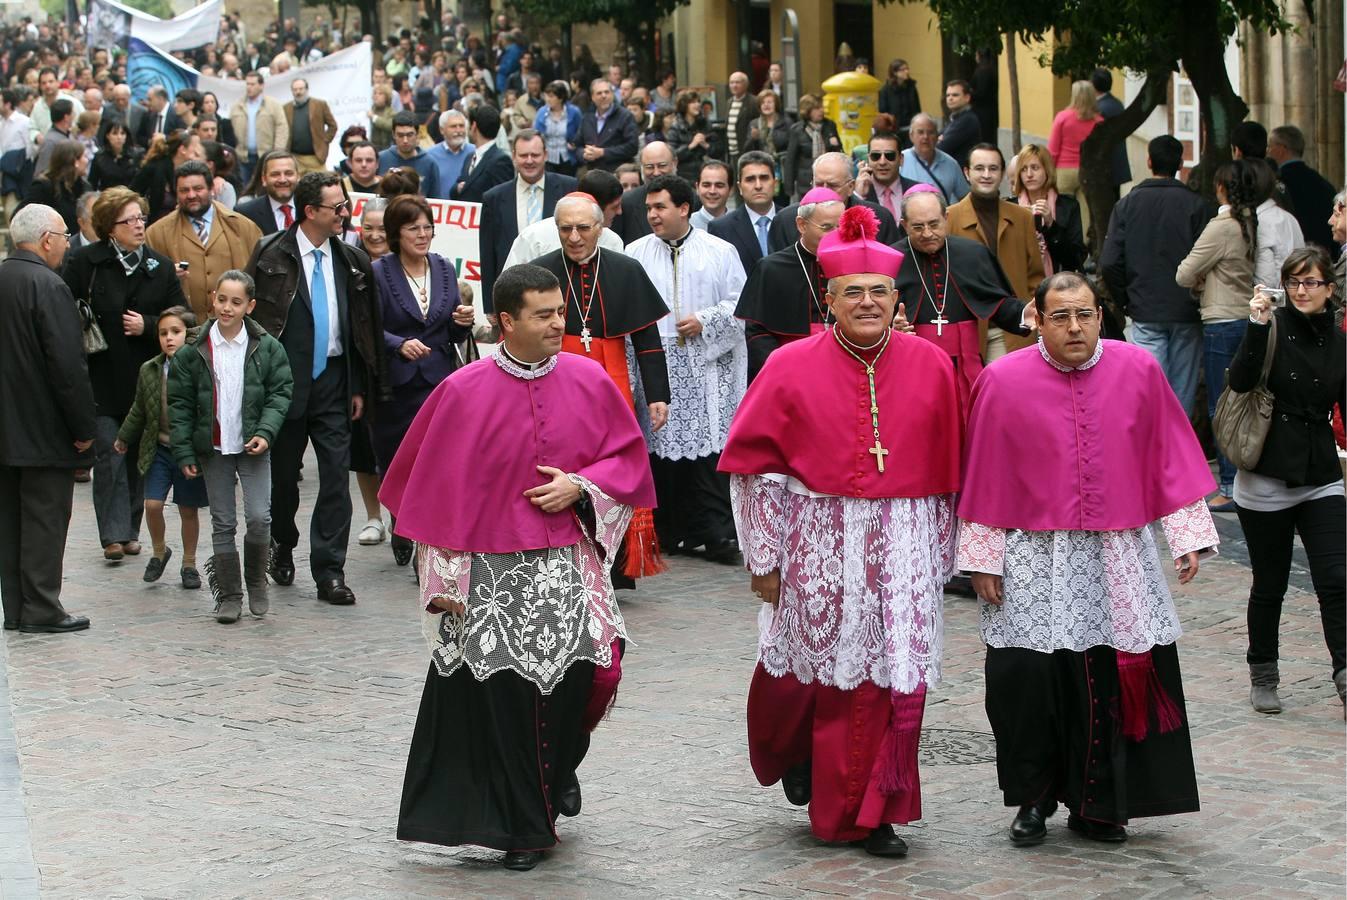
(879, 453)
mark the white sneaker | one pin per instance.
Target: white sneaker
(373, 533)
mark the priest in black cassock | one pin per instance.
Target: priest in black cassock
(783, 299)
(949, 288)
(610, 300)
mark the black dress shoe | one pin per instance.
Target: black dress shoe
(798, 783)
(1030, 824)
(335, 591)
(725, 552)
(282, 567)
(402, 549)
(883, 842)
(1097, 831)
(69, 623)
(522, 860)
(568, 798)
(11, 625)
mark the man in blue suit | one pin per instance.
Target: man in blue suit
(746, 227)
(489, 165)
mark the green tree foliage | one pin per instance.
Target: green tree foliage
(1153, 37)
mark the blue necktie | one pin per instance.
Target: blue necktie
(763, 222)
(318, 295)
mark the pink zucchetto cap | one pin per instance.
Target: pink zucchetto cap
(922, 188)
(821, 195)
(853, 250)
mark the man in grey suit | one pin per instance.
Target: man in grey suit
(46, 422)
(131, 114)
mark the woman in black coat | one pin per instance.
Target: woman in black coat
(898, 97)
(810, 138)
(116, 163)
(128, 285)
(1296, 486)
(1061, 236)
(62, 184)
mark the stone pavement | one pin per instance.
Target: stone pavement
(164, 755)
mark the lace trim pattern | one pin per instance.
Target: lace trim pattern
(510, 367)
(861, 583)
(533, 612)
(1088, 364)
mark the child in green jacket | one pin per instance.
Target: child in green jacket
(146, 426)
(228, 393)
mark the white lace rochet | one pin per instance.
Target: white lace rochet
(861, 582)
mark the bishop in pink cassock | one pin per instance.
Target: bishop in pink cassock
(1075, 449)
(513, 559)
(844, 467)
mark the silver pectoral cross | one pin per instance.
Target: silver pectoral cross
(586, 337)
(939, 322)
(879, 453)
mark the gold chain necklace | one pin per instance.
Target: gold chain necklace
(878, 450)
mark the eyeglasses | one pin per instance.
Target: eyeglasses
(834, 187)
(857, 294)
(924, 227)
(581, 230)
(132, 220)
(877, 155)
(418, 229)
(1309, 284)
(659, 168)
(335, 207)
(1064, 318)
(64, 234)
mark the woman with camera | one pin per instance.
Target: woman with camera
(1296, 485)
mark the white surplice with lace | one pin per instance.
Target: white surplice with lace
(532, 612)
(861, 582)
(708, 373)
(1072, 590)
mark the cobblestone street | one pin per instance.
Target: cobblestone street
(161, 754)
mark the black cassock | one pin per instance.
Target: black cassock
(778, 305)
(623, 303)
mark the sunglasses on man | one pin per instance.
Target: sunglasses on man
(877, 155)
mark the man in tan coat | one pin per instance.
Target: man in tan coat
(259, 124)
(1004, 228)
(207, 236)
(312, 128)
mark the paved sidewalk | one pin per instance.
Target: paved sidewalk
(164, 755)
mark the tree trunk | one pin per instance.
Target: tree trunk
(568, 49)
(1203, 53)
(1096, 154)
(1013, 72)
(640, 38)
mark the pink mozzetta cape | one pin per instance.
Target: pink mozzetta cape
(1102, 449)
(459, 477)
(807, 415)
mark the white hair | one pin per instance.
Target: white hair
(449, 114)
(587, 204)
(833, 157)
(806, 210)
(29, 224)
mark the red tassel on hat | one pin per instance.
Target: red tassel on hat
(1143, 694)
(858, 223)
(642, 545)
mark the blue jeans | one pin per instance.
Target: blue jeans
(1177, 347)
(1220, 340)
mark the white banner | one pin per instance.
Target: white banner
(111, 24)
(457, 231)
(342, 79)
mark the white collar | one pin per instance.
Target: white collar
(753, 217)
(218, 339)
(519, 369)
(305, 245)
(1088, 364)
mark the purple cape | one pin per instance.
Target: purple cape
(1102, 449)
(459, 477)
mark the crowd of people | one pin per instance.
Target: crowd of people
(811, 363)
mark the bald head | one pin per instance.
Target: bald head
(657, 158)
(833, 171)
(738, 84)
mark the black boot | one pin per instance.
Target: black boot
(282, 566)
(883, 842)
(568, 797)
(255, 559)
(1030, 824)
(226, 586)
